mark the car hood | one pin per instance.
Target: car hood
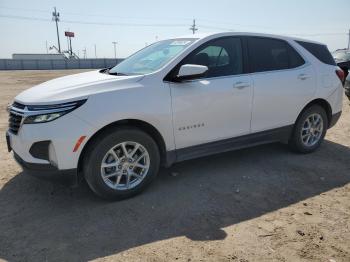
(74, 87)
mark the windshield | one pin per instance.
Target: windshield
(342, 55)
(151, 58)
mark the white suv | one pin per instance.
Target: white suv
(175, 100)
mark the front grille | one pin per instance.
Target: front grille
(14, 122)
(18, 105)
(15, 117)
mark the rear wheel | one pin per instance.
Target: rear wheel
(121, 163)
(309, 130)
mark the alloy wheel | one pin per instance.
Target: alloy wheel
(312, 130)
(125, 165)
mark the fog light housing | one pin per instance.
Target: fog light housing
(40, 150)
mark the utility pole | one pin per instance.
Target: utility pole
(193, 28)
(56, 18)
(349, 41)
(71, 48)
(95, 52)
(115, 49)
(47, 49)
(84, 52)
(67, 30)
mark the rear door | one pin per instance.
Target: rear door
(283, 82)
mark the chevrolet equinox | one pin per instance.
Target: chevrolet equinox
(175, 100)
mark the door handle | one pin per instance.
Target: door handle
(303, 76)
(241, 85)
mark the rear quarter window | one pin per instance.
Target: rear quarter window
(321, 52)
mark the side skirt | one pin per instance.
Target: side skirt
(281, 134)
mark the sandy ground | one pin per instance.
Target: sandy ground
(259, 204)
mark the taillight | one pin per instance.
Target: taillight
(341, 74)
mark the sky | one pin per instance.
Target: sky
(26, 25)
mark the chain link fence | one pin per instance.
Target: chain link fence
(29, 64)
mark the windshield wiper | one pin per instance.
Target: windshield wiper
(114, 73)
(117, 74)
(107, 71)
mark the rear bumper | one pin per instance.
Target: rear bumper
(48, 172)
(335, 119)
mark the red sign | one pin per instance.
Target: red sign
(69, 34)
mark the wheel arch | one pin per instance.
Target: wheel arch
(321, 102)
(132, 123)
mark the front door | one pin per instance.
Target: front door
(217, 106)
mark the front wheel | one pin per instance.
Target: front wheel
(309, 130)
(121, 163)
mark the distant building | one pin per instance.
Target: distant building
(39, 56)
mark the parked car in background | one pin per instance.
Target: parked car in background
(347, 86)
(342, 58)
(176, 100)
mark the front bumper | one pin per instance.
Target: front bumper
(48, 172)
(57, 140)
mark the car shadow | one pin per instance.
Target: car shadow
(197, 199)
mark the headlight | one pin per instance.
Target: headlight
(43, 118)
(47, 113)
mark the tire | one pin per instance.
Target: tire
(100, 152)
(298, 141)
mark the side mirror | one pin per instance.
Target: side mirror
(190, 72)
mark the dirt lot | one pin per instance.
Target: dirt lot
(258, 204)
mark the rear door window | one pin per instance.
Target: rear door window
(267, 54)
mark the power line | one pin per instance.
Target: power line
(207, 26)
(216, 28)
(25, 18)
(138, 18)
(93, 23)
(122, 24)
(25, 9)
(321, 34)
(146, 25)
(94, 15)
(224, 23)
